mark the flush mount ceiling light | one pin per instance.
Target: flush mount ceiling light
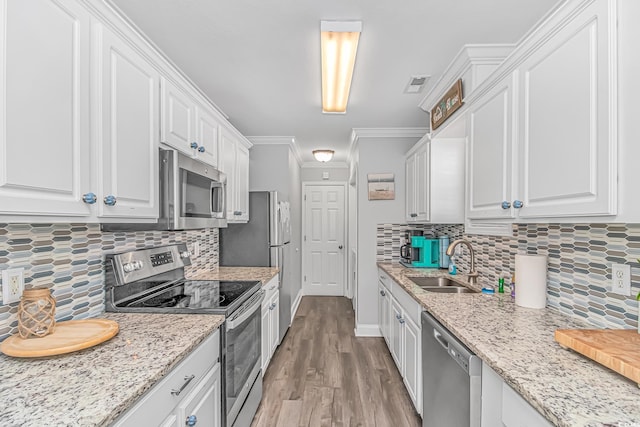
(339, 43)
(323, 155)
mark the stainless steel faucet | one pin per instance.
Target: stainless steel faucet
(473, 274)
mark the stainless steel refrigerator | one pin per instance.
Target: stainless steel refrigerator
(262, 242)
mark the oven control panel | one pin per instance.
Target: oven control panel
(161, 259)
(128, 267)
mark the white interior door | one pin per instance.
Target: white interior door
(324, 240)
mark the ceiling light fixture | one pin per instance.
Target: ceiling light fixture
(339, 43)
(323, 155)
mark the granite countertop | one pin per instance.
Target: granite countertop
(264, 274)
(518, 343)
(93, 386)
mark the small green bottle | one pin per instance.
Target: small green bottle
(501, 285)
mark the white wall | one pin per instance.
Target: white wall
(314, 173)
(295, 199)
(376, 155)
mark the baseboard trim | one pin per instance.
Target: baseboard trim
(296, 303)
(364, 330)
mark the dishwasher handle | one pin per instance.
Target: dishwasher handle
(438, 336)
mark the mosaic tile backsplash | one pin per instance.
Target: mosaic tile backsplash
(579, 269)
(68, 259)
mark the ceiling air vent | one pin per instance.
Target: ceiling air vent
(416, 84)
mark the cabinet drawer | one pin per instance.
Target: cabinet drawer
(271, 288)
(411, 308)
(384, 278)
(156, 405)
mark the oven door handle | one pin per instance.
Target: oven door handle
(246, 310)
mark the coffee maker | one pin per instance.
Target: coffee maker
(420, 251)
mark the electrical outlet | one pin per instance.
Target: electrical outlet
(621, 279)
(12, 285)
(196, 249)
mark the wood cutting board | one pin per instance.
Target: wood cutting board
(617, 349)
(67, 337)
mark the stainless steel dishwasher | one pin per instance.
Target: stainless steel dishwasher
(451, 379)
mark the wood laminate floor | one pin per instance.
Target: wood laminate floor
(322, 375)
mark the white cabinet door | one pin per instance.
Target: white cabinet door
(127, 129)
(207, 132)
(413, 361)
(228, 166)
(266, 342)
(242, 183)
(44, 113)
(422, 184)
(204, 401)
(386, 319)
(178, 117)
(566, 130)
(396, 336)
(381, 316)
(274, 321)
(410, 196)
(490, 124)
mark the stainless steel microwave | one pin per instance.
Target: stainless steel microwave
(192, 196)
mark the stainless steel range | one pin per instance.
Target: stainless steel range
(152, 281)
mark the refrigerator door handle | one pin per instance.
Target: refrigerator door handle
(281, 266)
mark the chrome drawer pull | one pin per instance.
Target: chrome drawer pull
(187, 380)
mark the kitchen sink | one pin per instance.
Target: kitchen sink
(449, 289)
(433, 281)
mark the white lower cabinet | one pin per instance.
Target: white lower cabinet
(399, 319)
(191, 389)
(270, 322)
(502, 406)
(384, 305)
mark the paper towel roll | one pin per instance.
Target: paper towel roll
(531, 281)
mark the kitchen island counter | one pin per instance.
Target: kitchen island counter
(93, 386)
(518, 343)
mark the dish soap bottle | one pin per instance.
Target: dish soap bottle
(513, 285)
(452, 267)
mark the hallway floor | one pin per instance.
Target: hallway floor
(322, 375)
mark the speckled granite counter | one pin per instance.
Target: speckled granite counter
(567, 388)
(264, 274)
(93, 386)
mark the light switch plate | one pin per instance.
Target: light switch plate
(621, 279)
(12, 285)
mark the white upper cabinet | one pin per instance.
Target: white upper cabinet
(178, 117)
(127, 129)
(187, 125)
(542, 132)
(435, 181)
(490, 129)
(234, 162)
(566, 146)
(207, 133)
(44, 113)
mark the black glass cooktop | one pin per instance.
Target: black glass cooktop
(195, 294)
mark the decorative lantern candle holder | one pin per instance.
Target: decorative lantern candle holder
(36, 313)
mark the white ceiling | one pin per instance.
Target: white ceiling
(259, 60)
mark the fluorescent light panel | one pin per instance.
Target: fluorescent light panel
(339, 43)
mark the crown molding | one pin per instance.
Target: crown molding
(279, 140)
(359, 133)
(470, 55)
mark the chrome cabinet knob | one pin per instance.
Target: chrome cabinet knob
(413, 215)
(89, 198)
(237, 213)
(506, 205)
(110, 200)
(517, 204)
(194, 145)
(401, 320)
(383, 293)
(340, 247)
(201, 149)
(191, 420)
